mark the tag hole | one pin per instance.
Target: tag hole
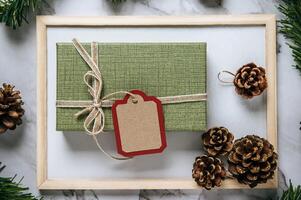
(135, 101)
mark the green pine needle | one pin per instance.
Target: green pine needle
(13, 190)
(292, 193)
(117, 1)
(290, 26)
(14, 12)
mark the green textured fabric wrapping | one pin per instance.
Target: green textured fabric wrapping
(158, 69)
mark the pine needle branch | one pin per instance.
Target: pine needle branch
(117, 1)
(292, 193)
(290, 26)
(10, 189)
(14, 12)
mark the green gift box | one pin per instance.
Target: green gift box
(158, 69)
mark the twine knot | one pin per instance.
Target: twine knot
(97, 104)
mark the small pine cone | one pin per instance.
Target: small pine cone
(252, 160)
(217, 141)
(208, 171)
(250, 81)
(11, 109)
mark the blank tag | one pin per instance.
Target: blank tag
(139, 125)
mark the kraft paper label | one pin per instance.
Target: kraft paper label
(139, 125)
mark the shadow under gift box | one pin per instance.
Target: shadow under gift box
(158, 69)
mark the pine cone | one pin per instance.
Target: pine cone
(252, 160)
(217, 141)
(10, 108)
(250, 80)
(208, 171)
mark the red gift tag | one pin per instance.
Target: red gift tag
(139, 125)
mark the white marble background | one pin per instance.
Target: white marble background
(18, 66)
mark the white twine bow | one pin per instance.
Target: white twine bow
(95, 121)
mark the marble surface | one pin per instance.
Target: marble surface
(18, 66)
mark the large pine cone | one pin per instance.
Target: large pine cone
(252, 160)
(250, 80)
(10, 108)
(217, 141)
(208, 171)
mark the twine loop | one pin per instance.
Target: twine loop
(95, 121)
(225, 72)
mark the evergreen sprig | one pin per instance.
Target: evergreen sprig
(13, 190)
(290, 26)
(117, 1)
(14, 12)
(292, 193)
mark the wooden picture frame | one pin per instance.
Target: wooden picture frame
(43, 22)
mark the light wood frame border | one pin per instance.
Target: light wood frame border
(44, 183)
